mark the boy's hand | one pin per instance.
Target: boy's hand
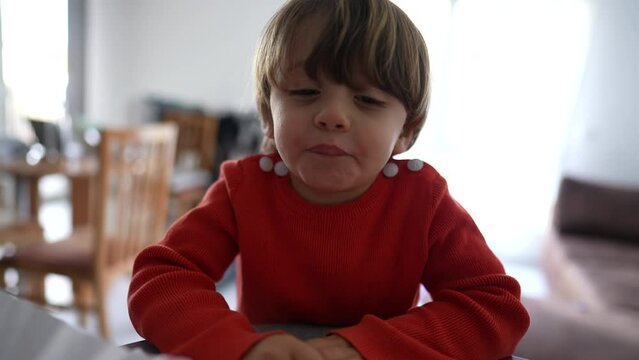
(334, 347)
(285, 347)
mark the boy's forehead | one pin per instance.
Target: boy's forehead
(298, 73)
(305, 37)
(290, 73)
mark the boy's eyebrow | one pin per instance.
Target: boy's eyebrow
(356, 84)
(298, 69)
(300, 64)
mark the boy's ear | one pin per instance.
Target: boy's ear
(403, 142)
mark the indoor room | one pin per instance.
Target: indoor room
(532, 122)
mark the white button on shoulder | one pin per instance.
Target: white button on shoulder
(390, 170)
(266, 164)
(280, 168)
(415, 165)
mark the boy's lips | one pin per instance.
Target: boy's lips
(328, 150)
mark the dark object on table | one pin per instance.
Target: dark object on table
(49, 135)
(12, 148)
(143, 345)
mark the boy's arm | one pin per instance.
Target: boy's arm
(173, 301)
(476, 311)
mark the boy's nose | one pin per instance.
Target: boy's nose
(332, 118)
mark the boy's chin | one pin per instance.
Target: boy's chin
(330, 188)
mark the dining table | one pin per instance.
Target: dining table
(79, 170)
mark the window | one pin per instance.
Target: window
(34, 61)
(505, 78)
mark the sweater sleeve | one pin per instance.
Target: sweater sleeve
(476, 311)
(173, 302)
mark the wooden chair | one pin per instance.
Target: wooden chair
(194, 158)
(128, 212)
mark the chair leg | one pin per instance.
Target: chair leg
(31, 285)
(101, 288)
(38, 288)
(3, 284)
(82, 299)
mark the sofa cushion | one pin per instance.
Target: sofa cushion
(562, 331)
(597, 210)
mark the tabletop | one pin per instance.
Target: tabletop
(300, 331)
(79, 170)
(83, 166)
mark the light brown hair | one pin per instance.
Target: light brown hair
(373, 36)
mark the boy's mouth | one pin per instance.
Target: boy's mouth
(328, 150)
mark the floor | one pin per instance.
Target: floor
(55, 217)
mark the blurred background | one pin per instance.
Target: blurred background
(525, 93)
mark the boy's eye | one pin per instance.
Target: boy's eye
(369, 100)
(304, 92)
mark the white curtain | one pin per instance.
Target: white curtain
(505, 77)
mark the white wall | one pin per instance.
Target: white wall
(603, 140)
(196, 51)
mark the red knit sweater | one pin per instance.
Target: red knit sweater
(356, 266)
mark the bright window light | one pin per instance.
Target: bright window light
(505, 79)
(34, 57)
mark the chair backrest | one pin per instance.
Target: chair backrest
(197, 138)
(132, 191)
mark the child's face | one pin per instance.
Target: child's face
(334, 139)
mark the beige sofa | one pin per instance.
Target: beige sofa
(591, 259)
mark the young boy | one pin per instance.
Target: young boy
(328, 228)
